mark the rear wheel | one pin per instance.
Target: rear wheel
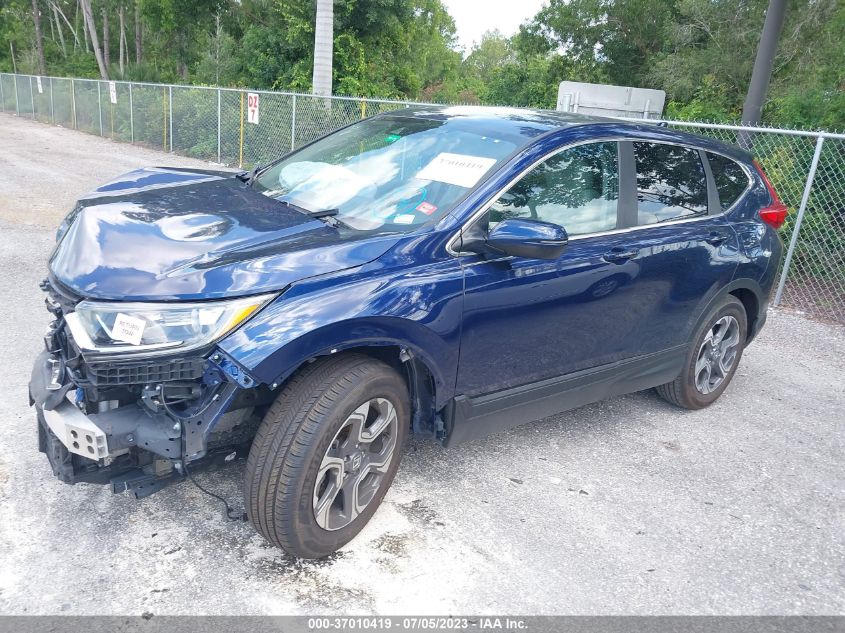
(713, 358)
(326, 453)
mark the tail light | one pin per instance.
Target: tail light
(775, 214)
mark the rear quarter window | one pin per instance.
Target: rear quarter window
(731, 179)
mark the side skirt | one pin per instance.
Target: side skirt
(467, 418)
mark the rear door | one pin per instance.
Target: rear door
(686, 249)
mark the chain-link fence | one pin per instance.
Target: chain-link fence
(207, 123)
(806, 168)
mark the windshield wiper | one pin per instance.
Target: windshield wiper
(249, 176)
(328, 215)
(324, 213)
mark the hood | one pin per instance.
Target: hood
(168, 234)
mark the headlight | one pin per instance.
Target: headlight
(157, 327)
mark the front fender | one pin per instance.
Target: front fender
(418, 308)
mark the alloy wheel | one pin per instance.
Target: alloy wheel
(355, 464)
(717, 355)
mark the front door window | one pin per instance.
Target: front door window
(577, 189)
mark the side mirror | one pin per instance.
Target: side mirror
(528, 238)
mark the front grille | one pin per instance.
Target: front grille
(112, 374)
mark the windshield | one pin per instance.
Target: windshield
(391, 173)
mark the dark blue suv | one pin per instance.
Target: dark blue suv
(447, 272)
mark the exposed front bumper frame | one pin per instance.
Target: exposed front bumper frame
(77, 432)
(98, 447)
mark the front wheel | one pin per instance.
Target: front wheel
(713, 357)
(326, 453)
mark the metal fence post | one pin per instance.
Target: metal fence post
(100, 107)
(808, 187)
(2, 96)
(52, 110)
(293, 124)
(31, 98)
(241, 144)
(17, 101)
(73, 101)
(170, 106)
(131, 117)
(218, 125)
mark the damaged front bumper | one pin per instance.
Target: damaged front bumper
(135, 425)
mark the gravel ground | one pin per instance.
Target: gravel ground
(629, 506)
(44, 169)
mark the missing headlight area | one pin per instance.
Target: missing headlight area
(136, 420)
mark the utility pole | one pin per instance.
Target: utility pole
(323, 48)
(762, 73)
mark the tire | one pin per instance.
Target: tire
(685, 391)
(305, 432)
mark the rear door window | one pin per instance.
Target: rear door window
(671, 183)
(731, 179)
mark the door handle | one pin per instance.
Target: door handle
(620, 255)
(715, 238)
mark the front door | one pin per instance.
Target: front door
(530, 319)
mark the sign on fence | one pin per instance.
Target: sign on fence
(112, 92)
(252, 107)
(40, 88)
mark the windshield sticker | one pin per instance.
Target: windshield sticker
(426, 207)
(405, 218)
(456, 169)
(128, 329)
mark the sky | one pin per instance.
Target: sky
(474, 17)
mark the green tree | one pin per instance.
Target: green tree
(217, 64)
(175, 29)
(809, 88)
(480, 69)
(707, 59)
(614, 38)
(699, 51)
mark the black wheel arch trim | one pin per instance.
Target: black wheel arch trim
(755, 320)
(406, 358)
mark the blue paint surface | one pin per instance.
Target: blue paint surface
(479, 323)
